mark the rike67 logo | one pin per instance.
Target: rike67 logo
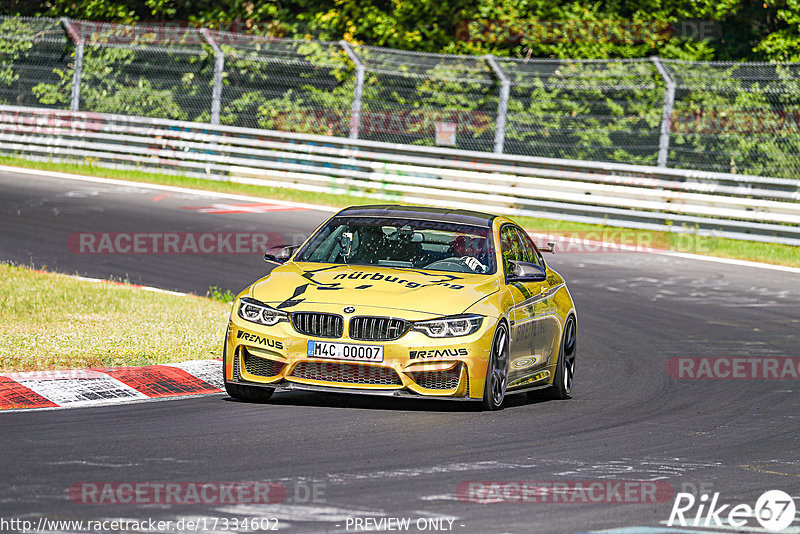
(774, 511)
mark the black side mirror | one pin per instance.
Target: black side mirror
(523, 271)
(280, 254)
(551, 248)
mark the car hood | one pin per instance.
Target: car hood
(434, 292)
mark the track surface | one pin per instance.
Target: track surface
(374, 458)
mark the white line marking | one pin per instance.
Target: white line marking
(337, 478)
(729, 261)
(440, 497)
(329, 209)
(614, 247)
(124, 284)
(174, 189)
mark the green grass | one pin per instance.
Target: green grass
(51, 321)
(711, 246)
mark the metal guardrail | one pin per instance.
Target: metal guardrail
(726, 205)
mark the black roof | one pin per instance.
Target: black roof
(472, 218)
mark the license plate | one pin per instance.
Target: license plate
(344, 351)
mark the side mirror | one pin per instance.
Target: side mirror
(526, 272)
(279, 254)
(551, 248)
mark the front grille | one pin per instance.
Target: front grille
(318, 324)
(261, 366)
(438, 379)
(377, 328)
(348, 373)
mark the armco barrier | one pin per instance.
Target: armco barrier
(726, 205)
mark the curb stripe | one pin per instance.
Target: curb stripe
(118, 385)
(14, 395)
(82, 391)
(209, 371)
(161, 381)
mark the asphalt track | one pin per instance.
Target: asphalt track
(374, 458)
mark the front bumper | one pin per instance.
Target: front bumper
(414, 365)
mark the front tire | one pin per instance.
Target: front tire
(238, 391)
(494, 389)
(565, 368)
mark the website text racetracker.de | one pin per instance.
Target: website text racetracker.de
(148, 525)
(187, 493)
(172, 242)
(571, 492)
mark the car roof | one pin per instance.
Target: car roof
(472, 218)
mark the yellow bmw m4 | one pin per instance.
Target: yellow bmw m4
(405, 301)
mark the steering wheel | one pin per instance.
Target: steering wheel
(463, 264)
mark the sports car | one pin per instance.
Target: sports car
(405, 301)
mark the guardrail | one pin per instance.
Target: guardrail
(726, 205)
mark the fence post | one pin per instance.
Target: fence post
(358, 90)
(669, 104)
(77, 68)
(219, 68)
(502, 105)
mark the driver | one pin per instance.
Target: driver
(373, 245)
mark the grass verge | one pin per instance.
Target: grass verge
(679, 242)
(51, 321)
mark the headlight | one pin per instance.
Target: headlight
(454, 326)
(258, 312)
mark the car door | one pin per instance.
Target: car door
(534, 323)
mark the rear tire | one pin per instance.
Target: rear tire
(565, 367)
(494, 389)
(238, 391)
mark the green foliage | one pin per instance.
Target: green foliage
(600, 111)
(743, 29)
(218, 294)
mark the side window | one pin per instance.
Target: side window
(510, 246)
(532, 254)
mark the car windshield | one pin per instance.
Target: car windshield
(403, 243)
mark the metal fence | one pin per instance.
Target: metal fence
(741, 118)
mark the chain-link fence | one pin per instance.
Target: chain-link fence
(741, 117)
(728, 117)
